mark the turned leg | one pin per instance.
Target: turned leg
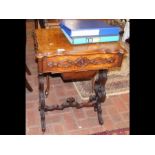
(42, 102)
(100, 92)
(48, 85)
(28, 86)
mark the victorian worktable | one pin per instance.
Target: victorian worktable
(55, 54)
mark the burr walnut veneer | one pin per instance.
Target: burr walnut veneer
(55, 54)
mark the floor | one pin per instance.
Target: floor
(70, 121)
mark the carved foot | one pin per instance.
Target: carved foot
(99, 114)
(100, 119)
(43, 124)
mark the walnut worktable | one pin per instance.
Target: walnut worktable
(55, 54)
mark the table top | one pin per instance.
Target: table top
(51, 42)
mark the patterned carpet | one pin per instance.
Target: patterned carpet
(117, 83)
(123, 131)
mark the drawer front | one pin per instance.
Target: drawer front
(75, 63)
